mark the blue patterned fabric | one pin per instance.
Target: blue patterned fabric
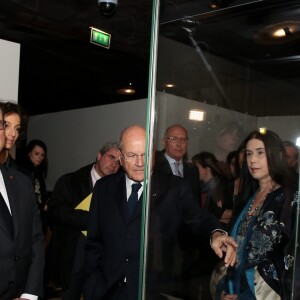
(266, 246)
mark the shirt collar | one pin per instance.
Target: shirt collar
(171, 160)
(95, 176)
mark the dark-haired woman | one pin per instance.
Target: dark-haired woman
(263, 224)
(215, 194)
(34, 165)
(14, 125)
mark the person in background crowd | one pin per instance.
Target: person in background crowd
(263, 224)
(115, 220)
(292, 154)
(216, 198)
(215, 195)
(68, 211)
(13, 130)
(231, 162)
(22, 248)
(172, 159)
(35, 166)
(236, 169)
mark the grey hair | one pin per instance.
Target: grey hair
(107, 146)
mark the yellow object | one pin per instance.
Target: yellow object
(85, 205)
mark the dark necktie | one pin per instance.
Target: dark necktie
(133, 198)
(6, 216)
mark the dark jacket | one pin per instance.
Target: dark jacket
(113, 242)
(37, 176)
(68, 222)
(190, 172)
(21, 256)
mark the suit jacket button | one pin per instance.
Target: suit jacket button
(127, 260)
(11, 282)
(16, 257)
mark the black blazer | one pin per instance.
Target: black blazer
(190, 172)
(68, 222)
(21, 256)
(113, 243)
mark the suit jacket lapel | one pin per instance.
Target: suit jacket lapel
(12, 198)
(4, 218)
(119, 196)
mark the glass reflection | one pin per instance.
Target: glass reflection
(239, 66)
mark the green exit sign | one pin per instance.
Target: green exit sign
(100, 37)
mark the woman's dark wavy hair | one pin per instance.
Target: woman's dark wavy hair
(9, 108)
(43, 167)
(277, 164)
(236, 154)
(208, 159)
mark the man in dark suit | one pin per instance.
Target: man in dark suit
(115, 220)
(22, 247)
(172, 159)
(68, 211)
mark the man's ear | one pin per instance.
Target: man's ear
(163, 142)
(99, 156)
(120, 157)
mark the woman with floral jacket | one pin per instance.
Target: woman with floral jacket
(263, 225)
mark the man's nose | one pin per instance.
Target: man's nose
(139, 160)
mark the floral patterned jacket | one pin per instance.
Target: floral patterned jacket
(269, 243)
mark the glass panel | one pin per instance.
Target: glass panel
(224, 69)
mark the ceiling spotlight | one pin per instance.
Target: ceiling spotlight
(278, 33)
(169, 85)
(129, 90)
(216, 4)
(108, 7)
(262, 130)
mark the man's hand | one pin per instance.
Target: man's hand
(222, 243)
(225, 296)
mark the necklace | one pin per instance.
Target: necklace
(254, 212)
(251, 213)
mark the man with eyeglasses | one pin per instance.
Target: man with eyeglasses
(68, 210)
(172, 159)
(115, 220)
(21, 235)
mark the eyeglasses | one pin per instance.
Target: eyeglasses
(132, 157)
(2, 125)
(113, 158)
(175, 139)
